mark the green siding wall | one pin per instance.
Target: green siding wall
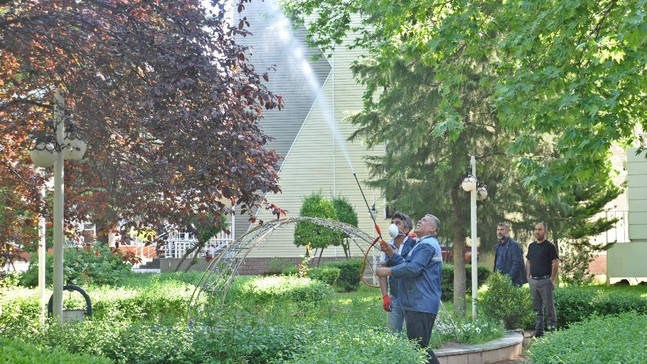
(315, 159)
(637, 195)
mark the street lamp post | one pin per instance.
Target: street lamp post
(59, 127)
(53, 151)
(471, 185)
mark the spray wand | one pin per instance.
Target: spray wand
(370, 211)
(378, 238)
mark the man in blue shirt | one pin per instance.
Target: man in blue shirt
(508, 258)
(420, 273)
(402, 244)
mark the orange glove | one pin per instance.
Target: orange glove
(386, 303)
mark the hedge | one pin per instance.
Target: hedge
(611, 339)
(447, 283)
(349, 271)
(18, 352)
(574, 304)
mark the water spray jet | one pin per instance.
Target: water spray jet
(378, 238)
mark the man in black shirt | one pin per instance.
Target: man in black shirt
(541, 266)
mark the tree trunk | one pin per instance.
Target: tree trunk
(197, 246)
(319, 259)
(346, 246)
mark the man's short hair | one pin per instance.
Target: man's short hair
(543, 223)
(405, 219)
(435, 221)
(505, 225)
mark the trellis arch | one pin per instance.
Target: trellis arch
(224, 267)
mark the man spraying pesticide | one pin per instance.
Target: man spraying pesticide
(395, 317)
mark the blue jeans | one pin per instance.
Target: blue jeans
(542, 295)
(395, 318)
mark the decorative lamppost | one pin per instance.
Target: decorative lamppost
(52, 151)
(477, 191)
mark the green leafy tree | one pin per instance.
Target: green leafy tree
(574, 70)
(569, 69)
(315, 236)
(433, 72)
(345, 213)
(572, 220)
(429, 132)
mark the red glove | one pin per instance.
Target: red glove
(386, 303)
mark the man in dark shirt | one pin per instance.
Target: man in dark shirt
(541, 266)
(508, 258)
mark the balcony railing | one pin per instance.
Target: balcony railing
(178, 243)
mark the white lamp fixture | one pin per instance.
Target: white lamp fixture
(73, 146)
(481, 193)
(43, 153)
(469, 183)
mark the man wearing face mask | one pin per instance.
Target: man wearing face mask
(420, 272)
(401, 243)
(508, 258)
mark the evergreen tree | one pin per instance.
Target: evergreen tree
(345, 213)
(313, 235)
(444, 81)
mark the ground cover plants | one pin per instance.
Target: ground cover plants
(263, 320)
(597, 339)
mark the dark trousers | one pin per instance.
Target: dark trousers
(419, 327)
(542, 295)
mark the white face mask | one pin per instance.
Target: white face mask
(394, 231)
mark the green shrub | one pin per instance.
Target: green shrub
(13, 351)
(465, 330)
(506, 302)
(291, 271)
(349, 271)
(164, 301)
(611, 339)
(315, 235)
(9, 279)
(124, 327)
(346, 214)
(277, 265)
(152, 280)
(447, 283)
(18, 309)
(574, 304)
(249, 341)
(278, 288)
(357, 345)
(93, 264)
(328, 275)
